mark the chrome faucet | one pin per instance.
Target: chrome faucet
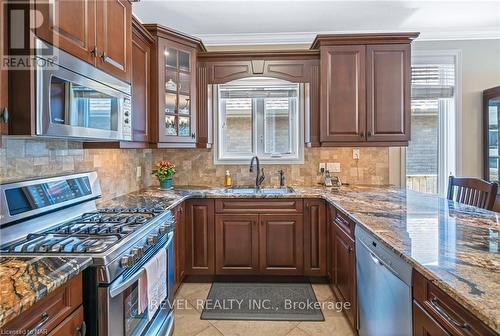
(260, 177)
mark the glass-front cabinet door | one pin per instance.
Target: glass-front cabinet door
(177, 120)
(491, 103)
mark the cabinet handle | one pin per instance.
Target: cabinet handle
(369, 133)
(93, 52)
(37, 329)
(362, 135)
(349, 250)
(104, 56)
(193, 135)
(5, 115)
(82, 330)
(435, 304)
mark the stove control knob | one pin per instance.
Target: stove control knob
(127, 261)
(152, 239)
(163, 229)
(137, 253)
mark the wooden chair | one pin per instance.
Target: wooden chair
(472, 191)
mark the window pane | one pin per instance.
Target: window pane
(171, 57)
(277, 125)
(237, 125)
(422, 153)
(184, 82)
(184, 104)
(183, 61)
(170, 125)
(184, 127)
(170, 102)
(171, 80)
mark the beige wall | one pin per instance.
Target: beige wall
(480, 71)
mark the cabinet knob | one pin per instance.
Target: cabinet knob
(82, 330)
(5, 115)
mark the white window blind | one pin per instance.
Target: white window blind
(432, 81)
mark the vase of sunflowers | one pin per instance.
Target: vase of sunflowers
(164, 170)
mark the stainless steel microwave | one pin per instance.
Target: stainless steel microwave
(74, 99)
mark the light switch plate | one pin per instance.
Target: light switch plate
(355, 154)
(333, 167)
(322, 166)
(138, 172)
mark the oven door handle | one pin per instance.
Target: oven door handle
(117, 288)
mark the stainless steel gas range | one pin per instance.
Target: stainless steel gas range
(58, 216)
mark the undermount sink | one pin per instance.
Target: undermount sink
(261, 191)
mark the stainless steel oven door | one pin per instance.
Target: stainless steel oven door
(118, 302)
(75, 99)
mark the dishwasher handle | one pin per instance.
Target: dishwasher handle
(377, 261)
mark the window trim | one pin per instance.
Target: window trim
(302, 110)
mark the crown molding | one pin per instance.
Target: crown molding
(308, 37)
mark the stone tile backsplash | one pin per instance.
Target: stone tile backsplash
(196, 167)
(27, 158)
(117, 168)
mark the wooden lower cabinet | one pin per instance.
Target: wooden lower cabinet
(424, 324)
(200, 237)
(179, 246)
(343, 280)
(58, 313)
(73, 325)
(236, 244)
(445, 313)
(315, 237)
(281, 249)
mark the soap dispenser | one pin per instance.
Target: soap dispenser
(228, 180)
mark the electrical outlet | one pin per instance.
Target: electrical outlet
(138, 172)
(333, 167)
(322, 167)
(355, 154)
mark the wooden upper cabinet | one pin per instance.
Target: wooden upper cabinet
(114, 36)
(69, 25)
(343, 93)
(388, 80)
(365, 89)
(281, 249)
(174, 73)
(236, 244)
(98, 32)
(141, 80)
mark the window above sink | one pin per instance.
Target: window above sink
(261, 117)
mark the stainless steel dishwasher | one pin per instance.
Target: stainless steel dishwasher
(384, 288)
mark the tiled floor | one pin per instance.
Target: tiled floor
(188, 323)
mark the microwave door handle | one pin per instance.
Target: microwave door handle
(117, 288)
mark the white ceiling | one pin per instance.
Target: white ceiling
(278, 22)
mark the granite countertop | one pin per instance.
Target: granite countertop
(455, 246)
(26, 280)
